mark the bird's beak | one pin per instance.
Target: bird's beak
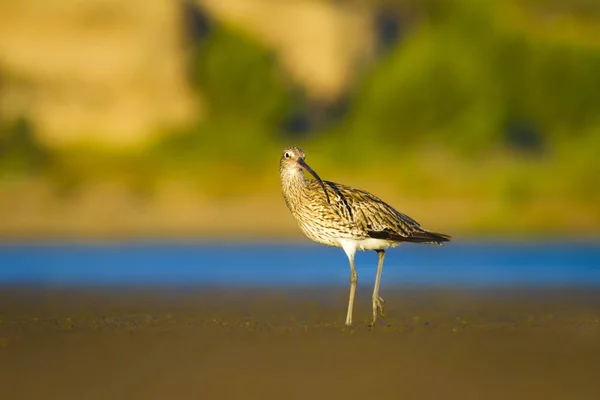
(305, 166)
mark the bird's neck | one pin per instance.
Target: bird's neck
(292, 186)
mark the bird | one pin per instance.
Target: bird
(337, 215)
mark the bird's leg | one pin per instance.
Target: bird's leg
(353, 280)
(378, 301)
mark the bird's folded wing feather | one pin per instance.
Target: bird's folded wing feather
(370, 215)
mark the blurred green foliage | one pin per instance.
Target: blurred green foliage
(20, 153)
(471, 78)
(247, 98)
(241, 79)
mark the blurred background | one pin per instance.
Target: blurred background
(165, 118)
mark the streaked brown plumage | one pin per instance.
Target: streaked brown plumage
(338, 215)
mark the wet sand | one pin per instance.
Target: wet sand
(291, 344)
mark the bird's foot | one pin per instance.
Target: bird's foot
(377, 309)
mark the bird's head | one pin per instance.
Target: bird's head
(292, 166)
(292, 161)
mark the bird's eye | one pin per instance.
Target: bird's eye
(287, 155)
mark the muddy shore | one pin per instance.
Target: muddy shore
(289, 343)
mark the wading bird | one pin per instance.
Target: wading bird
(341, 216)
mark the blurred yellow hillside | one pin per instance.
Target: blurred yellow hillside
(116, 71)
(101, 70)
(167, 118)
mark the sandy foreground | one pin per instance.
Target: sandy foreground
(290, 343)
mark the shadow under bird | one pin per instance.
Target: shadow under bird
(338, 215)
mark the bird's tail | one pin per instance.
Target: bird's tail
(428, 238)
(417, 236)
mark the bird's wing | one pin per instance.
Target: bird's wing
(374, 218)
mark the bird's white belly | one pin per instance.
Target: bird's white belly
(367, 244)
